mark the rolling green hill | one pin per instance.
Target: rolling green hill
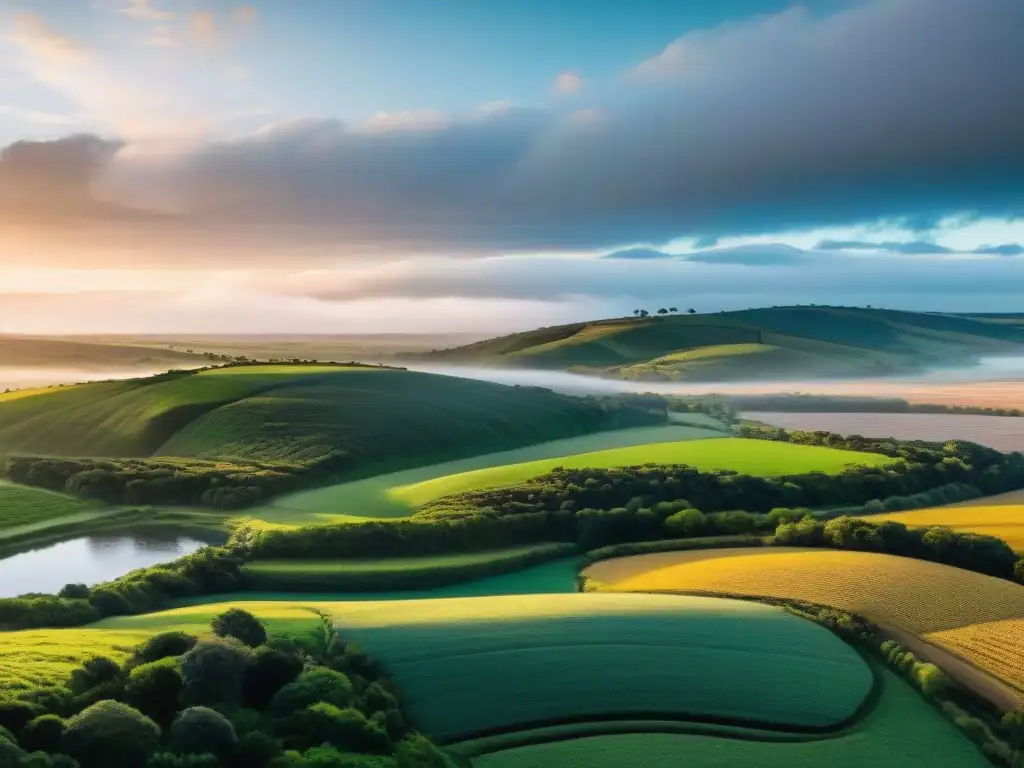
(775, 342)
(376, 418)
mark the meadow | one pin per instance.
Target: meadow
(1000, 516)
(21, 506)
(901, 731)
(965, 613)
(749, 457)
(372, 497)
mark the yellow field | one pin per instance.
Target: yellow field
(40, 658)
(977, 617)
(1000, 516)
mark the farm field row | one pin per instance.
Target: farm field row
(371, 498)
(1004, 433)
(963, 612)
(902, 731)
(751, 457)
(1001, 516)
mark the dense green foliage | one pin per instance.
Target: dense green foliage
(332, 703)
(240, 625)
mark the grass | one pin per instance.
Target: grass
(372, 498)
(751, 457)
(22, 506)
(984, 516)
(934, 601)
(390, 574)
(374, 419)
(44, 658)
(902, 731)
(473, 666)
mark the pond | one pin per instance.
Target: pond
(88, 560)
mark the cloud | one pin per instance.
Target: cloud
(1007, 249)
(771, 255)
(639, 254)
(891, 108)
(569, 81)
(38, 39)
(909, 248)
(203, 26)
(706, 241)
(244, 14)
(143, 9)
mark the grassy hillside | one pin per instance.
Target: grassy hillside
(978, 617)
(21, 506)
(92, 354)
(750, 457)
(902, 731)
(370, 418)
(772, 342)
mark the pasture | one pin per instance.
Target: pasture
(21, 506)
(750, 457)
(1001, 516)
(1004, 433)
(469, 667)
(932, 601)
(372, 497)
(901, 731)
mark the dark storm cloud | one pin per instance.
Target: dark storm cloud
(891, 108)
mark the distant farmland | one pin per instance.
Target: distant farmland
(1004, 433)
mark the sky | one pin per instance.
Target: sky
(360, 166)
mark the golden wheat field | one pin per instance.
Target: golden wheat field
(1002, 517)
(977, 617)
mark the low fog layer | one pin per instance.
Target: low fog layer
(18, 377)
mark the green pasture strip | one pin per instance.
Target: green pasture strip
(24, 506)
(555, 577)
(471, 666)
(390, 574)
(902, 731)
(749, 457)
(370, 498)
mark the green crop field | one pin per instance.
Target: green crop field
(376, 419)
(23, 506)
(752, 457)
(373, 498)
(471, 666)
(902, 731)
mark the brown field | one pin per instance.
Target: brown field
(1004, 433)
(964, 613)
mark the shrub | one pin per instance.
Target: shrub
(271, 669)
(154, 689)
(6, 735)
(171, 760)
(11, 755)
(74, 591)
(110, 733)
(95, 672)
(1018, 570)
(932, 680)
(874, 507)
(16, 714)
(240, 625)
(198, 730)
(43, 760)
(213, 670)
(255, 750)
(314, 686)
(418, 752)
(378, 699)
(326, 723)
(685, 523)
(43, 733)
(328, 757)
(161, 646)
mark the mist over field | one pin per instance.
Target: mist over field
(994, 381)
(22, 377)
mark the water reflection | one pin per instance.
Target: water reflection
(88, 560)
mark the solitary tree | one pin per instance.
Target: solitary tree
(691, 311)
(672, 310)
(662, 311)
(636, 312)
(644, 313)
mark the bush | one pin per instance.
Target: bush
(685, 523)
(271, 669)
(214, 669)
(43, 760)
(255, 750)
(172, 760)
(932, 680)
(1018, 570)
(154, 689)
(418, 752)
(314, 686)
(74, 592)
(94, 673)
(325, 723)
(198, 730)
(161, 646)
(44, 733)
(240, 625)
(110, 733)
(16, 714)
(11, 755)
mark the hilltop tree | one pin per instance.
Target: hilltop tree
(644, 313)
(691, 311)
(672, 310)
(662, 311)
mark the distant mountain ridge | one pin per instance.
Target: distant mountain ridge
(765, 343)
